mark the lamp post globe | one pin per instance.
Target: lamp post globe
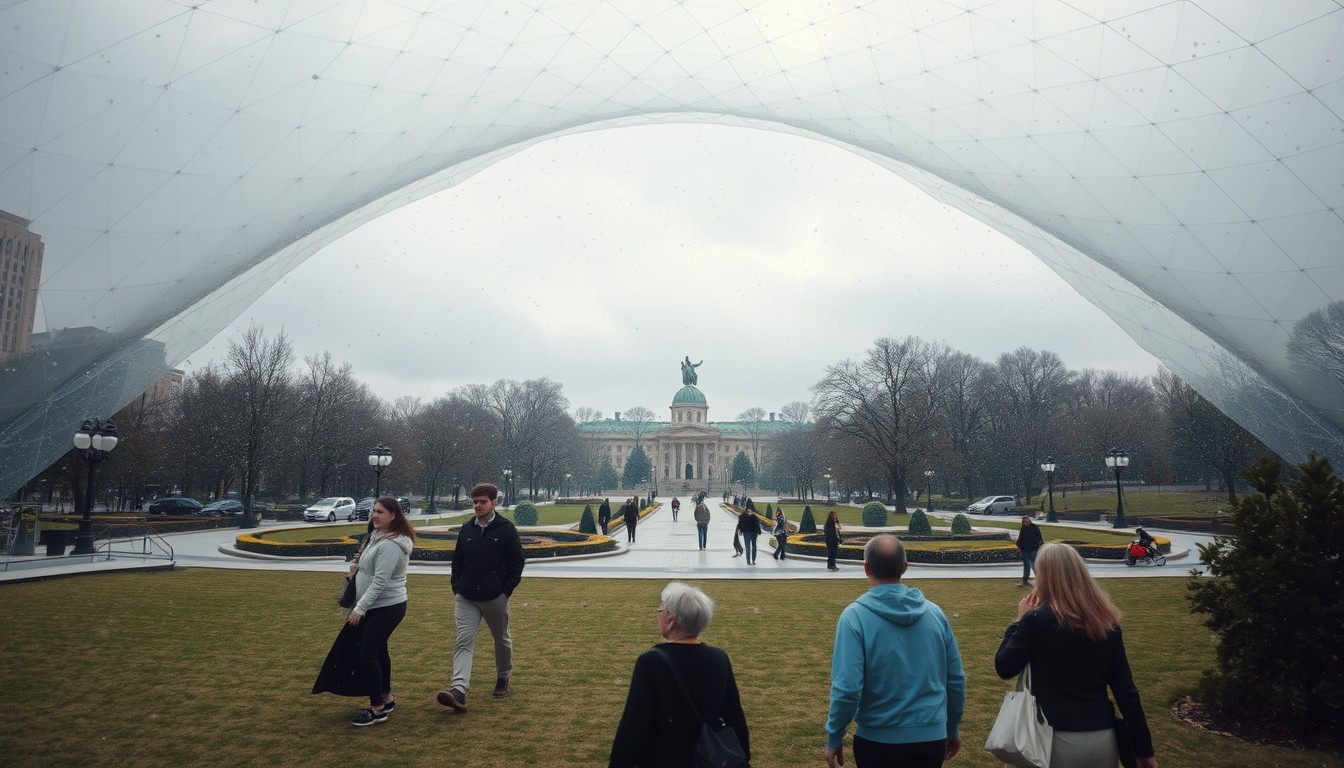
(928, 489)
(828, 485)
(94, 440)
(1048, 467)
(379, 457)
(508, 484)
(565, 491)
(1117, 460)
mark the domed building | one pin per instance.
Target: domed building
(689, 452)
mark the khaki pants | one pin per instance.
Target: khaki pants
(469, 614)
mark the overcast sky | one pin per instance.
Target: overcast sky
(600, 260)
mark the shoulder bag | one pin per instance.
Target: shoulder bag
(347, 598)
(717, 747)
(1021, 736)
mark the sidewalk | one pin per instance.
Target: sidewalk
(664, 550)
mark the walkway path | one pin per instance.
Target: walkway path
(664, 550)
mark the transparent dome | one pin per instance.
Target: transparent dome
(1178, 164)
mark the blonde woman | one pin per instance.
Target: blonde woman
(1068, 630)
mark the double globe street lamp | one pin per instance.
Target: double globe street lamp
(828, 484)
(508, 482)
(928, 489)
(1118, 460)
(379, 457)
(1048, 467)
(94, 440)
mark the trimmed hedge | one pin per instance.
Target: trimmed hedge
(919, 524)
(808, 524)
(525, 513)
(566, 543)
(874, 515)
(961, 524)
(587, 523)
(814, 544)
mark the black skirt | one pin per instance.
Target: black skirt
(340, 673)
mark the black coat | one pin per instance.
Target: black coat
(487, 562)
(604, 513)
(1029, 538)
(631, 514)
(749, 524)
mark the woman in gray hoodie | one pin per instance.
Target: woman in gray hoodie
(380, 605)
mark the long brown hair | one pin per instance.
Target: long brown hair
(399, 525)
(1078, 602)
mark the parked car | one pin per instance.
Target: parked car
(991, 505)
(405, 504)
(175, 505)
(362, 509)
(223, 507)
(330, 508)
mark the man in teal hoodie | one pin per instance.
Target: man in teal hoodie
(896, 672)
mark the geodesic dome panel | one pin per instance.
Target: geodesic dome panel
(1178, 163)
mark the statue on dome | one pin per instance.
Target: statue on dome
(688, 375)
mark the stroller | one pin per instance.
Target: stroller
(1144, 549)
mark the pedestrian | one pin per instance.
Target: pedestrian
(676, 507)
(487, 568)
(895, 672)
(604, 515)
(358, 663)
(781, 533)
(702, 523)
(831, 532)
(1068, 630)
(1029, 542)
(672, 683)
(631, 519)
(750, 527)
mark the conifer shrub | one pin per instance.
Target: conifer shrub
(919, 524)
(769, 512)
(874, 515)
(1272, 600)
(807, 524)
(587, 523)
(961, 524)
(751, 505)
(525, 513)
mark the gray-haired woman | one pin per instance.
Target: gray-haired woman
(659, 727)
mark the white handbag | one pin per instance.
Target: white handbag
(1021, 736)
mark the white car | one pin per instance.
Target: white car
(330, 508)
(991, 505)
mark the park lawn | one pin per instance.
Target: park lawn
(1146, 502)
(214, 667)
(554, 514)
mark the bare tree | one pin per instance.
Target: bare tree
(753, 424)
(884, 401)
(455, 440)
(258, 376)
(961, 383)
(584, 414)
(796, 412)
(531, 418)
(642, 421)
(1029, 390)
(331, 404)
(1203, 434)
(800, 453)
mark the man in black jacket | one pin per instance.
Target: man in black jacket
(604, 515)
(487, 567)
(1029, 541)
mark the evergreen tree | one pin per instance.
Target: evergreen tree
(587, 522)
(961, 524)
(919, 524)
(743, 471)
(1275, 603)
(874, 515)
(638, 468)
(807, 524)
(606, 475)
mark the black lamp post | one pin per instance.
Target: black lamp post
(828, 485)
(94, 440)
(1048, 467)
(1118, 460)
(928, 489)
(564, 491)
(508, 484)
(379, 457)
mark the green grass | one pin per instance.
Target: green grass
(1146, 502)
(556, 514)
(213, 668)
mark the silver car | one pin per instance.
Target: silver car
(330, 508)
(991, 505)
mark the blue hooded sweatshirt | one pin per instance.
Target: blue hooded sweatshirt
(896, 671)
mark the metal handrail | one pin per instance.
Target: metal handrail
(150, 544)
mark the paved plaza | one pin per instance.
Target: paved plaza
(664, 550)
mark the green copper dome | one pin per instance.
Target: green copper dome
(689, 395)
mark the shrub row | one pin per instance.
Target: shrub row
(814, 544)
(1192, 523)
(345, 546)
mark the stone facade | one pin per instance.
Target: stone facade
(21, 252)
(689, 452)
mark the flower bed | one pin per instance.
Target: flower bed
(430, 546)
(969, 549)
